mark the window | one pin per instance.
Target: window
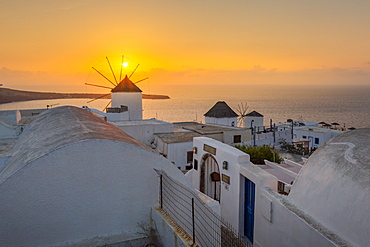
(304, 137)
(237, 139)
(317, 141)
(189, 157)
(195, 164)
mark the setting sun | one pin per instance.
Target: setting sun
(125, 64)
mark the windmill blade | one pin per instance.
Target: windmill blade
(133, 71)
(241, 121)
(242, 108)
(115, 79)
(98, 86)
(141, 80)
(104, 76)
(245, 109)
(120, 73)
(99, 97)
(107, 105)
(240, 118)
(239, 110)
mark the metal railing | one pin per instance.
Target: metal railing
(200, 222)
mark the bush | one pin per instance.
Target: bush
(259, 154)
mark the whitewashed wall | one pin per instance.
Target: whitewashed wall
(257, 121)
(287, 225)
(268, 138)
(277, 221)
(177, 153)
(145, 132)
(230, 193)
(86, 190)
(222, 121)
(132, 100)
(323, 136)
(121, 116)
(245, 134)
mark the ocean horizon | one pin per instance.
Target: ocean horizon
(348, 105)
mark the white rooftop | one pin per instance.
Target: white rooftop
(151, 121)
(178, 137)
(318, 129)
(206, 128)
(280, 174)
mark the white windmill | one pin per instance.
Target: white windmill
(126, 97)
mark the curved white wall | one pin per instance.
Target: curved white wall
(84, 190)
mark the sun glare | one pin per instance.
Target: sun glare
(125, 64)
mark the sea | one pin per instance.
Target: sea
(348, 105)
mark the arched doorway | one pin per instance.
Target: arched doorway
(210, 177)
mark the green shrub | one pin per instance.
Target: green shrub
(259, 154)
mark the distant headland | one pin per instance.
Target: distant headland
(8, 95)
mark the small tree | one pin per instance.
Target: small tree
(259, 154)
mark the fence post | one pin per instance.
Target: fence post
(192, 215)
(161, 190)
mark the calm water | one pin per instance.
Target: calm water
(349, 105)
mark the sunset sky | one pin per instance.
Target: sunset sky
(51, 45)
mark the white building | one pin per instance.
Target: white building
(253, 120)
(221, 114)
(175, 141)
(226, 134)
(73, 179)
(327, 205)
(317, 136)
(177, 147)
(144, 130)
(294, 124)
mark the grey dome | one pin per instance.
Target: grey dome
(334, 186)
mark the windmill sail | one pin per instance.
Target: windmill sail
(242, 111)
(124, 85)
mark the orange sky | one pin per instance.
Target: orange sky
(51, 45)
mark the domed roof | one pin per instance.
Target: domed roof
(58, 127)
(76, 180)
(334, 186)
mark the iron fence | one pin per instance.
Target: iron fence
(200, 222)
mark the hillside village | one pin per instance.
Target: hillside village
(82, 177)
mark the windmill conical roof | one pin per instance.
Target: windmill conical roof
(254, 114)
(221, 110)
(126, 86)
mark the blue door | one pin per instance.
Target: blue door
(249, 195)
